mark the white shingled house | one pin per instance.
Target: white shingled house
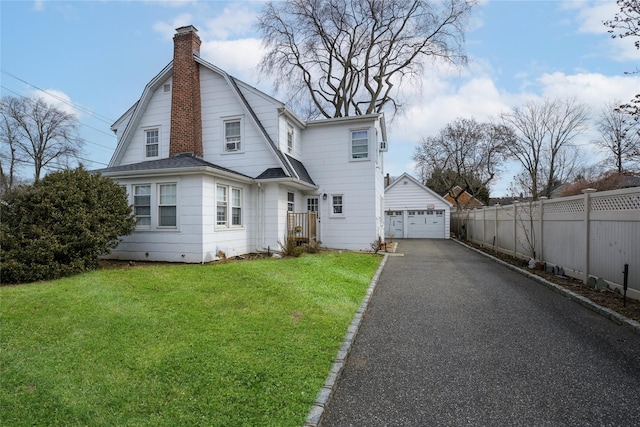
(213, 165)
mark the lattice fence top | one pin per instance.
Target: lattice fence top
(622, 202)
(568, 206)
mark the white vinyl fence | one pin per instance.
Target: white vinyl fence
(590, 235)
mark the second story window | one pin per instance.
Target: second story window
(359, 144)
(152, 139)
(290, 139)
(232, 135)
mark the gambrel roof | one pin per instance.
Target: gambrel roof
(289, 167)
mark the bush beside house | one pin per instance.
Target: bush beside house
(61, 225)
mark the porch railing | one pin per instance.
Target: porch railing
(302, 227)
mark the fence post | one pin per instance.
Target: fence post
(515, 229)
(541, 225)
(495, 228)
(587, 208)
(484, 226)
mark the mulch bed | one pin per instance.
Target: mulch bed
(603, 297)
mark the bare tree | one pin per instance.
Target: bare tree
(9, 158)
(40, 132)
(544, 142)
(465, 153)
(619, 138)
(350, 57)
(626, 23)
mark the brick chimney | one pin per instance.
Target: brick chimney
(186, 109)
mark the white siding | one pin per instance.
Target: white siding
(326, 157)
(157, 115)
(182, 244)
(219, 102)
(405, 194)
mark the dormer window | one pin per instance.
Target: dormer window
(232, 135)
(152, 136)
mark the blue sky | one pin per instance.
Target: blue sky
(98, 56)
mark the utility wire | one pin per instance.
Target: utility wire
(105, 119)
(31, 100)
(26, 98)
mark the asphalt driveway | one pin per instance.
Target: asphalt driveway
(452, 338)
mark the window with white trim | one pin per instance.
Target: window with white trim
(232, 129)
(152, 138)
(228, 205)
(142, 205)
(290, 138)
(360, 144)
(291, 201)
(221, 205)
(236, 206)
(167, 205)
(337, 205)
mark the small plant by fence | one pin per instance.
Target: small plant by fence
(591, 235)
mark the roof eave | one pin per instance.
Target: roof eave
(293, 182)
(197, 170)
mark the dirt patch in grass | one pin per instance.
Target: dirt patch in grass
(603, 297)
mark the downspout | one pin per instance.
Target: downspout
(260, 218)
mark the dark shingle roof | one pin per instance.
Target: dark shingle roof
(272, 173)
(300, 170)
(179, 161)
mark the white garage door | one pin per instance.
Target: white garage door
(425, 224)
(393, 225)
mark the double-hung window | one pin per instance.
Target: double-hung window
(152, 137)
(236, 206)
(290, 138)
(167, 205)
(142, 205)
(228, 205)
(232, 135)
(359, 144)
(221, 206)
(337, 205)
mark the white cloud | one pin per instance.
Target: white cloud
(444, 99)
(38, 5)
(168, 29)
(171, 3)
(57, 99)
(237, 57)
(235, 20)
(591, 16)
(591, 88)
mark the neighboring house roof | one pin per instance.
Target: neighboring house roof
(406, 176)
(184, 161)
(465, 199)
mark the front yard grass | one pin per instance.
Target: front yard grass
(230, 344)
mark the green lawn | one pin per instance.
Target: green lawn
(230, 344)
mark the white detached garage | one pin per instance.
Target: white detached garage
(413, 211)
